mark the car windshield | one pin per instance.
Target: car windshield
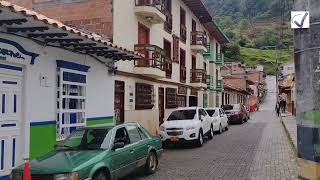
(87, 139)
(212, 112)
(182, 115)
(231, 107)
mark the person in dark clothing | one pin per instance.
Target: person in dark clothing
(278, 109)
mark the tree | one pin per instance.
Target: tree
(243, 26)
(231, 51)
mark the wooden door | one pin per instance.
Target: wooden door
(194, 25)
(119, 102)
(161, 105)
(143, 38)
(194, 62)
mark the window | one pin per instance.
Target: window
(144, 96)
(71, 98)
(171, 98)
(175, 50)
(122, 136)
(142, 134)
(183, 28)
(134, 134)
(182, 115)
(212, 112)
(202, 112)
(167, 49)
(181, 101)
(194, 25)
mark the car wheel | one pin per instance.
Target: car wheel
(227, 127)
(210, 134)
(242, 121)
(200, 139)
(100, 176)
(151, 164)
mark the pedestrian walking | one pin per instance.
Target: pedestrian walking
(278, 109)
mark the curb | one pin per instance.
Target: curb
(289, 137)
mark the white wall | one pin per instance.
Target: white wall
(40, 102)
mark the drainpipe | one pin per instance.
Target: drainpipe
(307, 66)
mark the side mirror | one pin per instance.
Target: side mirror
(118, 145)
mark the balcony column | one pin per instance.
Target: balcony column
(307, 63)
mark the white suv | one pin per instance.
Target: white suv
(187, 125)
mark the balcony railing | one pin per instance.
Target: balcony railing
(168, 22)
(159, 4)
(210, 82)
(219, 59)
(183, 33)
(183, 74)
(198, 76)
(154, 56)
(168, 67)
(208, 52)
(198, 38)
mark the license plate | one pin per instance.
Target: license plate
(174, 138)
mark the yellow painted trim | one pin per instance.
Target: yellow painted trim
(309, 169)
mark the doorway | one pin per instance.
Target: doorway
(11, 124)
(161, 105)
(119, 102)
(143, 38)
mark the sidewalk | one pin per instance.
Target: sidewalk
(290, 125)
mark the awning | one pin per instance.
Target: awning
(26, 23)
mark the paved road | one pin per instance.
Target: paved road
(258, 150)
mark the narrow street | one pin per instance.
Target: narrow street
(258, 149)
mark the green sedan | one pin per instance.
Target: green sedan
(98, 153)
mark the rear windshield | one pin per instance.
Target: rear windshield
(182, 115)
(212, 112)
(231, 107)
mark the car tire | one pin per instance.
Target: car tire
(220, 129)
(242, 121)
(227, 127)
(101, 175)
(164, 145)
(151, 164)
(200, 139)
(210, 133)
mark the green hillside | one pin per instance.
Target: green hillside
(267, 58)
(252, 26)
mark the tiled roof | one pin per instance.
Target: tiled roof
(57, 24)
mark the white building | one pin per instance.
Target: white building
(48, 85)
(186, 42)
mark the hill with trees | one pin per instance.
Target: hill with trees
(258, 30)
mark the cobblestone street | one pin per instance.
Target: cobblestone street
(258, 150)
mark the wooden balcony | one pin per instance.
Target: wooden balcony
(183, 33)
(153, 64)
(183, 74)
(208, 53)
(198, 77)
(152, 10)
(168, 22)
(198, 41)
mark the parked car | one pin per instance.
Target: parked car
(219, 118)
(187, 125)
(98, 153)
(236, 113)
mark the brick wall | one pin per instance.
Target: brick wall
(92, 15)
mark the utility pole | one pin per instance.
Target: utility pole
(307, 67)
